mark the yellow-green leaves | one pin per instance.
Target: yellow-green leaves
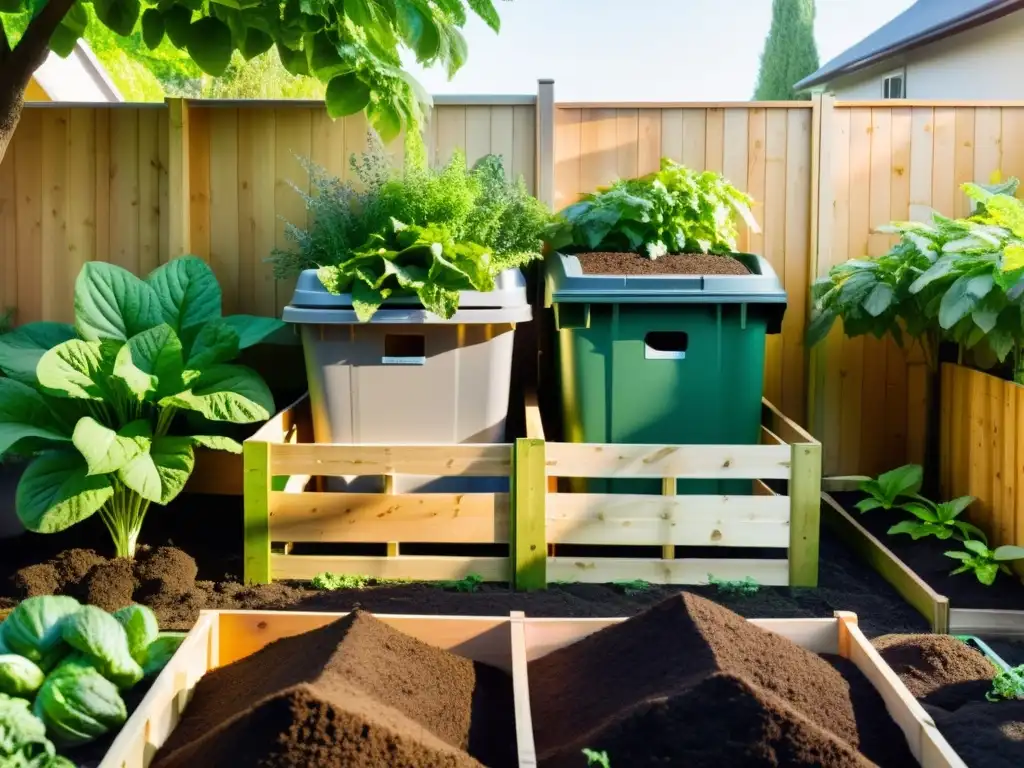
(346, 95)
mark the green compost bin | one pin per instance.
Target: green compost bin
(672, 359)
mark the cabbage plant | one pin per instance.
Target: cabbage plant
(98, 403)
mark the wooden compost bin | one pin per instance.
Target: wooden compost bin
(547, 518)
(936, 608)
(221, 637)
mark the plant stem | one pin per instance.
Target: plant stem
(164, 421)
(123, 516)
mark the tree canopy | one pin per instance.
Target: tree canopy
(790, 53)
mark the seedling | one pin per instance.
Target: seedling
(471, 583)
(938, 520)
(745, 587)
(985, 563)
(887, 489)
(597, 758)
(634, 587)
(1007, 685)
(333, 581)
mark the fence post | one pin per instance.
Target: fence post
(256, 498)
(804, 513)
(179, 189)
(529, 555)
(546, 142)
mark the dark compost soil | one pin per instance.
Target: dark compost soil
(691, 683)
(925, 558)
(354, 693)
(951, 678)
(673, 264)
(211, 529)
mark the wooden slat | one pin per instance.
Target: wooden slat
(779, 424)
(334, 460)
(805, 499)
(529, 489)
(728, 521)
(601, 570)
(987, 622)
(409, 567)
(373, 517)
(525, 747)
(658, 461)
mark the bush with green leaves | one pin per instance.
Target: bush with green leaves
(674, 210)
(103, 406)
(417, 233)
(1007, 685)
(985, 563)
(959, 280)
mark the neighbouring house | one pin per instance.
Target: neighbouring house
(80, 77)
(936, 49)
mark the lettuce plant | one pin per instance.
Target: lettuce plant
(675, 210)
(96, 404)
(938, 520)
(885, 491)
(983, 562)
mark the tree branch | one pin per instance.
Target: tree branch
(34, 45)
(5, 45)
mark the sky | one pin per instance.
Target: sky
(640, 50)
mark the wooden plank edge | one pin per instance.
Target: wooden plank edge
(603, 570)
(525, 746)
(403, 567)
(534, 422)
(1004, 624)
(911, 587)
(776, 421)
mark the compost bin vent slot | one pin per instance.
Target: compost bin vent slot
(404, 349)
(665, 345)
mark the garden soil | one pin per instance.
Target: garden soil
(950, 679)
(691, 683)
(354, 693)
(681, 264)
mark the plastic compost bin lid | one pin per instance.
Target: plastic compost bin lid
(566, 283)
(507, 303)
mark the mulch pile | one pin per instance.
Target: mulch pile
(354, 693)
(951, 679)
(674, 264)
(690, 683)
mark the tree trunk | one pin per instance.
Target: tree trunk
(12, 99)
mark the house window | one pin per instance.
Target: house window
(893, 87)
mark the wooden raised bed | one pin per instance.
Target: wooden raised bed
(220, 637)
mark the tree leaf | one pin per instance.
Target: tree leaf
(486, 11)
(188, 292)
(112, 303)
(820, 327)
(177, 21)
(56, 491)
(879, 300)
(70, 29)
(231, 393)
(963, 297)
(217, 443)
(107, 451)
(346, 95)
(385, 120)
(252, 329)
(151, 362)
(160, 474)
(22, 348)
(294, 61)
(119, 15)
(217, 342)
(210, 46)
(25, 415)
(152, 28)
(941, 268)
(256, 43)
(79, 369)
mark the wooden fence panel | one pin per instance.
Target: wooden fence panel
(890, 162)
(764, 149)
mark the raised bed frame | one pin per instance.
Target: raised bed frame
(510, 643)
(284, 506)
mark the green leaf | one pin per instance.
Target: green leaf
(941, 268)
(486, 11)
(1008, 552)
(879, 300)
(902, 481)
(963, 556)
(177, 21)
(119, 15)
(79, 369)
(385, 120)
(962, 298)
(866, 505)
(25, 415)
(346, 95)
(140, 627)
(977, 547)
(987, 573)
(107, 451)
(950, 510)
(216, 343)
(820, 327)
(210, 46)
(252, 329)
(921, 512)
(256, 43)
(294, 61)
(970, 531)
(56, 491)
(152, 28)
(112, 303)
(14, 6)
(907, 526)
(151, 362)
(160, 474)
(102, 639)
(231, 393)
(217, 443)
(323, 58)
(187, 290)
(70, 29)
(21, 349)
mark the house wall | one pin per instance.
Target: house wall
(982, 63)
(34, 92)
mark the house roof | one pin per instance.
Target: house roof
(924, 22)
(79, 77)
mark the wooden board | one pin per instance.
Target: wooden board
(403, 567)
(347, 460)
(602, 570)
(743, 462)
(986, 623)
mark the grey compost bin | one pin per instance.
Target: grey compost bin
(408, 376)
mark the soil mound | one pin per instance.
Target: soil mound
(353, 693)
(785, 705)
(937, 669)
(673, 264)
(985, 734)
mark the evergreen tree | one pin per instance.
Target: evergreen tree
(790, 53)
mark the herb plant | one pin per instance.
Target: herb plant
(1008, 685)
(983, 562)
(633, 586)
(96, 404)
(938, 520)
(887, 489)
(599, 759)
(745, 587)
(675, 210)
(471, 583)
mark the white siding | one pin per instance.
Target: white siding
(983, 63)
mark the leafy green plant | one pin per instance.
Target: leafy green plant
(23, 739)
(96, 404)
(471, 583)
(633, 586)
(1007, 685)
(745, 587)
(674, 210)
(334, 581)
(938, 520)
(983, 562)
(594, 757)
(887, 489)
